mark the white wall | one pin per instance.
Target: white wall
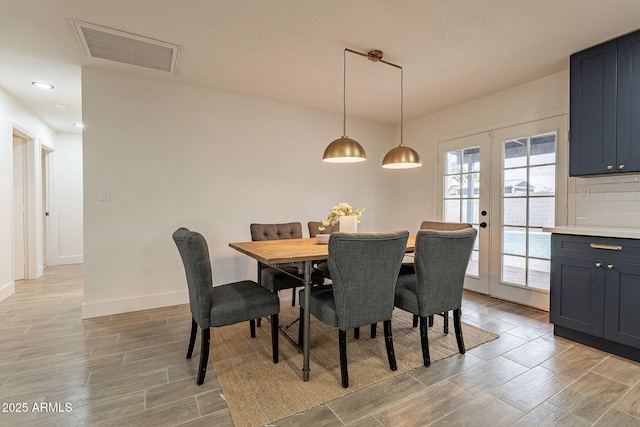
(15, 116)
(174, 155)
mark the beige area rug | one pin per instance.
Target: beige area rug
(259, 392)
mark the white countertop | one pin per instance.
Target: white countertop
(579, 230)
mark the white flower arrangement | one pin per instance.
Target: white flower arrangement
(343, 209)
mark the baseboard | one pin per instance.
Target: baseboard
(126, 305)
(7, 290)
(70, 259)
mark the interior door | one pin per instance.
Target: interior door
(19, 223)
(464, 195)
(529, 177)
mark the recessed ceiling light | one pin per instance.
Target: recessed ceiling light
(42, 85)
(78, 125)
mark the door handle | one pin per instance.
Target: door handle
(483, 225)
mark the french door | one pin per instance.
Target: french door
(508, 183)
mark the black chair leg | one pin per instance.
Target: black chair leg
(293, 297)
(192, 339)
(259, 322)
(424, 341)
(374, 328)
(342, 342)
(252, 328)
(431, 321)
(356, 333)
(415, 320)
(204, 355)
(445, 315)
(458, 328)
(388, 340)
(274, 337)
(301, 326)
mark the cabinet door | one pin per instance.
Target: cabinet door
(577, 294)
(622, 303)
(592, 145)
(628, 134)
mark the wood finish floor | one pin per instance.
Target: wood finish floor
(130, 369)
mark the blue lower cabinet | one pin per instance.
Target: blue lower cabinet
(595, 292)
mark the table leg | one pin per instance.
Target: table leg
(307, 321)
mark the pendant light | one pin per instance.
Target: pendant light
(401, 157)
(344, 149)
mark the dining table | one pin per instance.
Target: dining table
(302, 252)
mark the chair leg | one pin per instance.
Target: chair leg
(424, 341)
(293, 297)
(388, 340)
(356, 333)
(252, 328)
(458, 328)
(342, 342)
(259, 322)
(374, 328)
(445, 315)
(431, 321)
(274, 337)
(204, 355)
(192, 339)
(301, 326)
(415, 320)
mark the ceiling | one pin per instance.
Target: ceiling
(291, 51)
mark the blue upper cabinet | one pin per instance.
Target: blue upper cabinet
(629, 102)
(605, 108)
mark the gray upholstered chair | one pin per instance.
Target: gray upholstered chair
(408, 268)
(441, 260)
(286, 277)
(364, 268)
(215, 306)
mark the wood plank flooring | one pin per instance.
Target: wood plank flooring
(130, 369)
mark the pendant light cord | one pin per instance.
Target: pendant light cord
(344, 93)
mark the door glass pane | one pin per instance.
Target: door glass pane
(543, 149)
(452, 210)
(514, 211)
(452, 186)
(515, 182)
(470, 211)
(452, 162)
(514, 241)
(515, 153)
(542, 180)
(539, 273)
(539, 243)
(471, 159)
(541, 211)
(514, 270)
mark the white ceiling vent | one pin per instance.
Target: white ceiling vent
(113, 45)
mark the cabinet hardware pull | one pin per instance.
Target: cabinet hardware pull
(598, 264)
(610, 266)
(621, 167)
(609, 167)
(607, 247)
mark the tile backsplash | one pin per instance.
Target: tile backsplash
(608, 201)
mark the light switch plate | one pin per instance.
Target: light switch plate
(103, 194)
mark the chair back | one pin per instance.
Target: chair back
(313, 228)
(364, 269)
(291, 230)
(441, 260)
(434, 225)
(197, 265)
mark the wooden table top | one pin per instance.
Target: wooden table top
(291, 250)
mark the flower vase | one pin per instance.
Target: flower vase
(349, 224)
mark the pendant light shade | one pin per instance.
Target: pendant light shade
(401, 157)
(344, 150)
